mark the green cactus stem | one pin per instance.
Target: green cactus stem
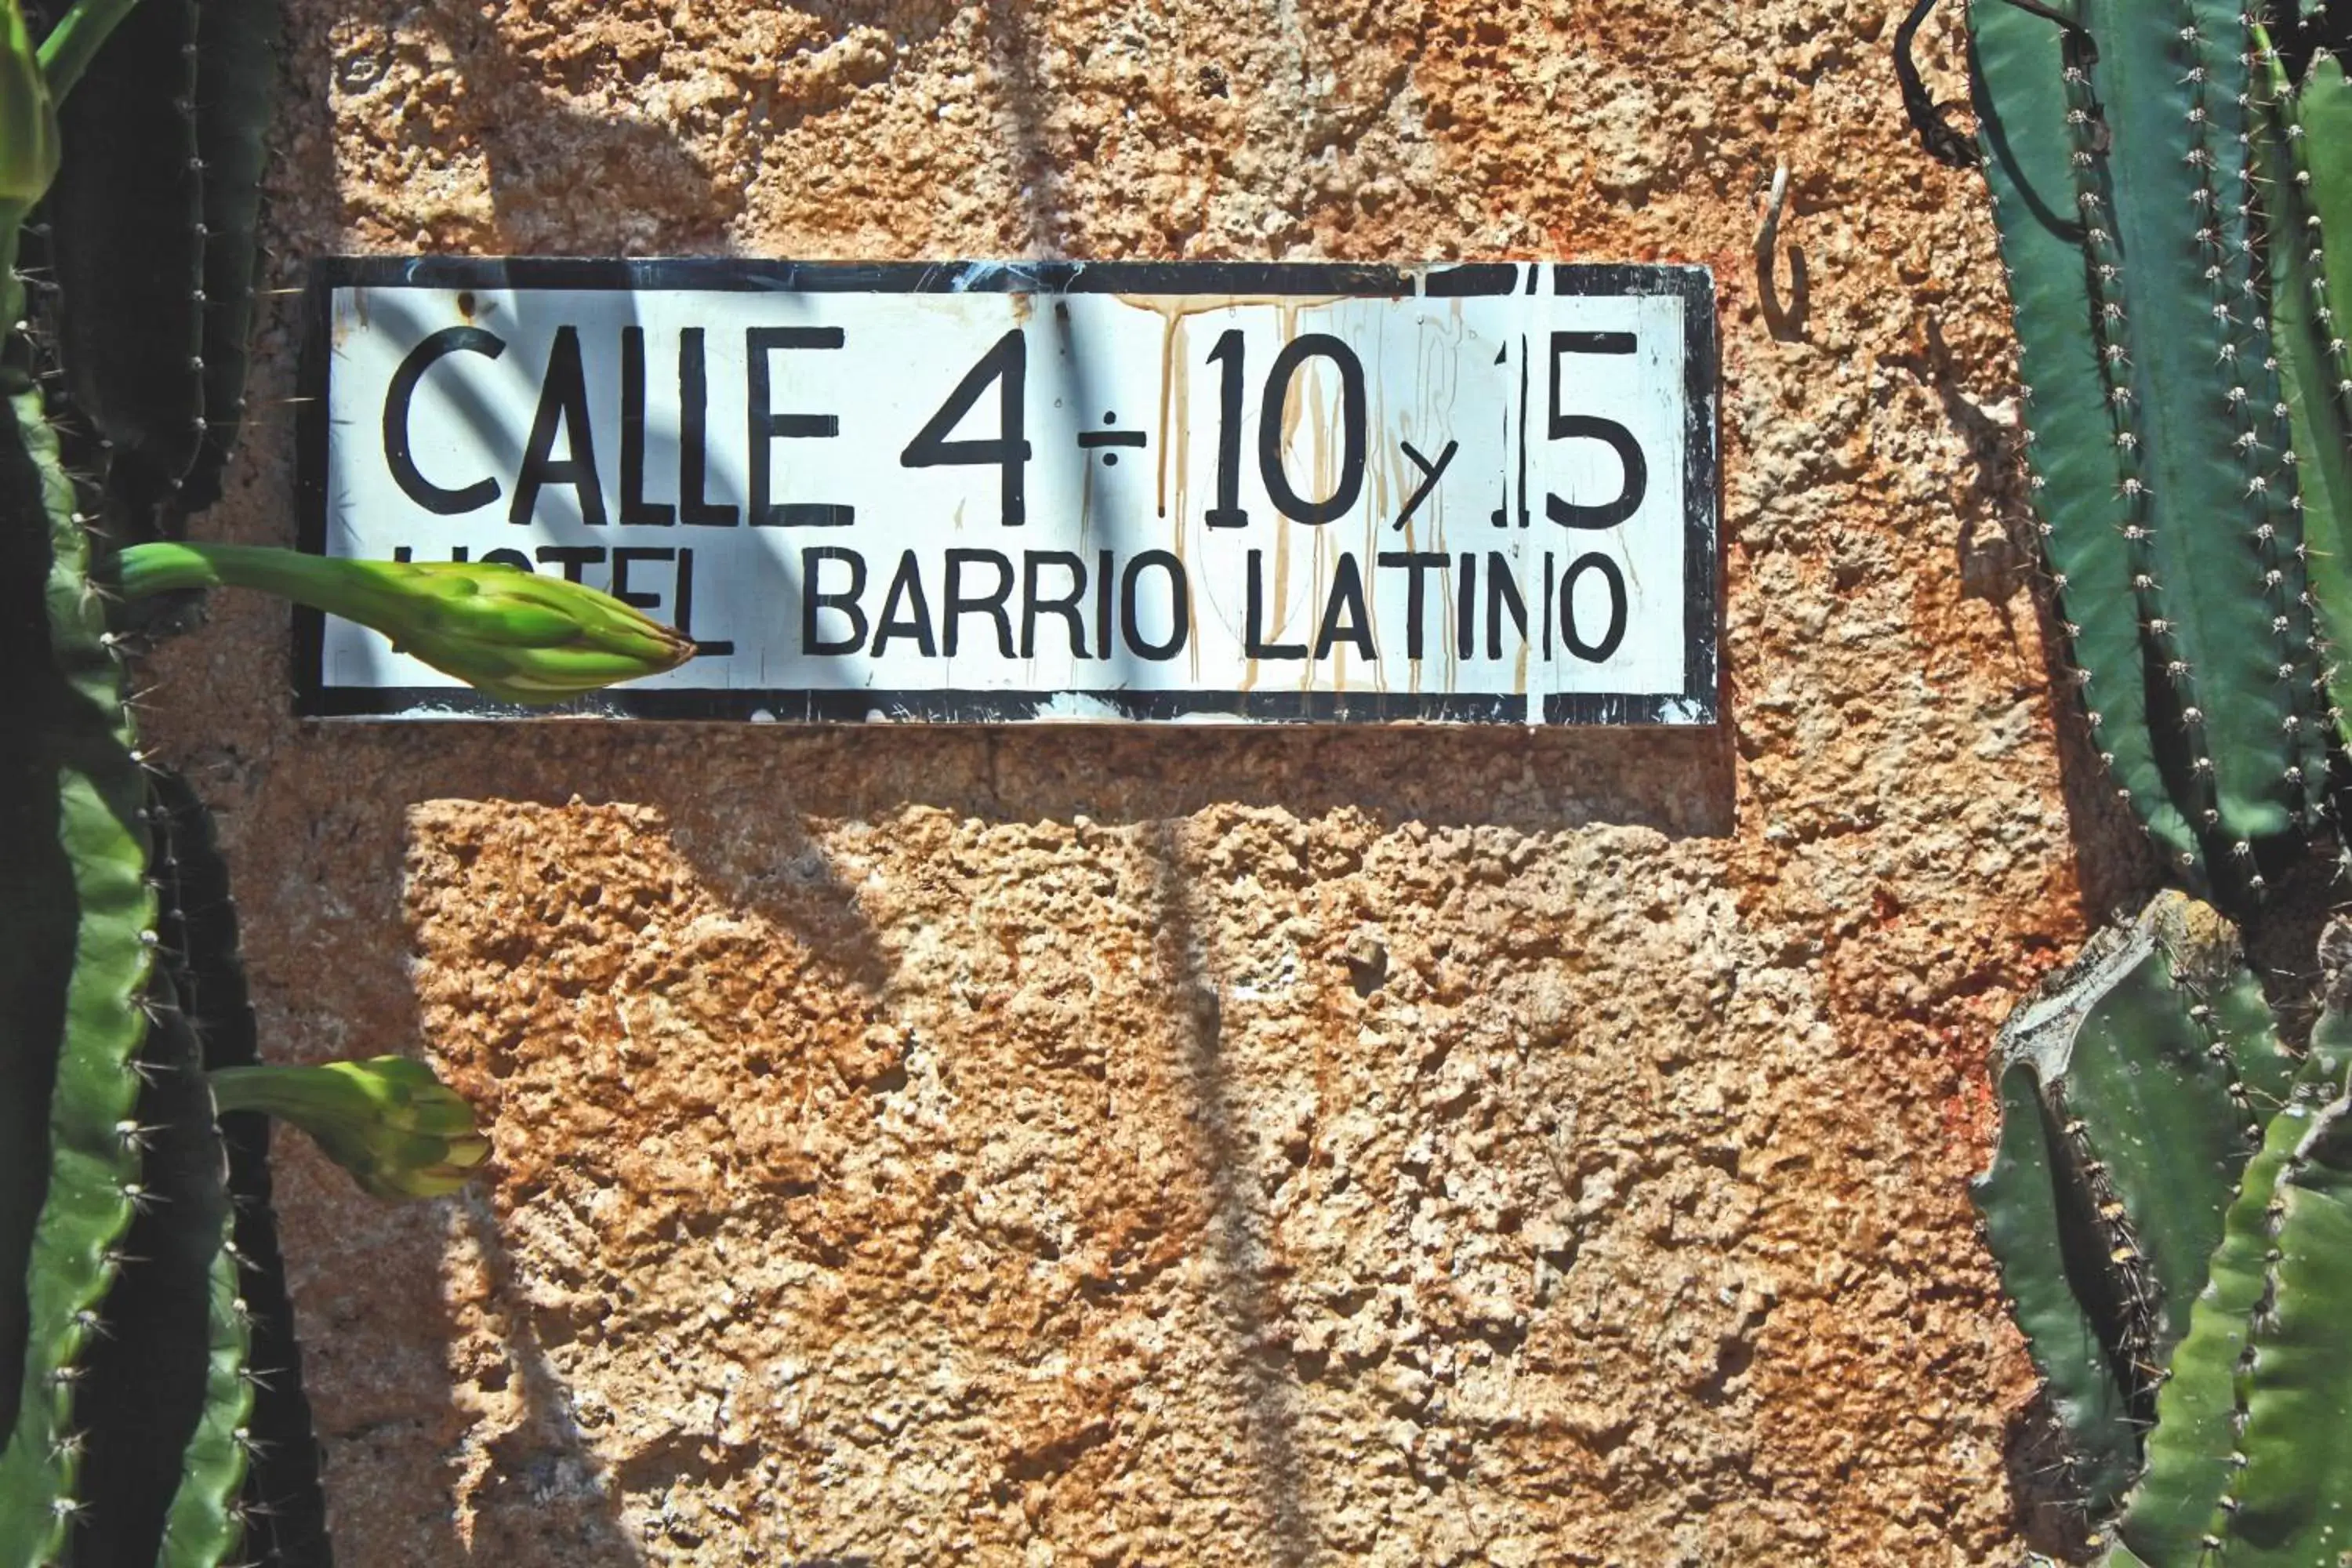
(284, 1503)
(36, 948)
(2117, 154)
(516, 634)
(2175, 1508)
(2155, 1118)
(2308, 165)
(2025, 1227)
(92, 1137)
(391, 1122)
(238, 42)
(146, 1390)
(2127, 1120)
(2290, 1501)
(28, 159)
(124, 243)
(70, 46)
(2016, 64)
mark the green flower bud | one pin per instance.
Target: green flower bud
(513, 633)
(396, 1128)
(28, 120)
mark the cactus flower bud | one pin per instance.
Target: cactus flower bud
(29, 119)
(396, 1128)
(505, 630)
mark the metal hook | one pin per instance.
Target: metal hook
(1787, 324)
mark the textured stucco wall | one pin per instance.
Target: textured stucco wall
(1121, 1147)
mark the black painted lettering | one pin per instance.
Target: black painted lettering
(1551, 578)
(629, 555)
(693, 436)
(1105, 580)
(1228, 512)
(573, 558)
(1066, 606)
(1502, 593)
(960, 604)
(402, 394)
(1415, 562)
(1180, 605)
(562, 400)
(1347, 595)
(1006, 365)
(1612, 582)
(1254, 642)
(635, 509)
(1431, 473)
(905, 612)
(704, 647)
(1563, 426)
(1270, 424)
(1466, 605)
(814, 599)
(767, 425)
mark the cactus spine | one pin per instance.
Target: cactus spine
(150, 1406)
(2290, 1497)
(93, 1140)
(2308, 163)
(2120, 153)
(124, 218)
(2027, 1225)
(2156, 1140)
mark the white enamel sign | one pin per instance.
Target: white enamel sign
(987, 493)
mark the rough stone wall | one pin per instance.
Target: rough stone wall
(1091, 1146)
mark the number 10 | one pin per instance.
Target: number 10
(1273, 403)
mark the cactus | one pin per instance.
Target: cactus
(2290, 1499)
(86, 781)
(2029, 1225)
(2307, 166)
(151, 1406)
(283, 1504)
(2179, 1504)
(152, 225)
(2127, 1118)
(502, 629)
(2155, 1137)
(123, 244)
(2120, 149)
(2172, 1196)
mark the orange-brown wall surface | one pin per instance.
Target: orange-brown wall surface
(1121, 1146)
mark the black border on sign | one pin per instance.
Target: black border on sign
(1698, 703)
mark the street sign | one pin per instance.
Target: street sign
(982, 492)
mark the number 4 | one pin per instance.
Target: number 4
(1007, 364)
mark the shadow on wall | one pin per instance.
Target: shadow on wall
(737, 806)
(2115, 863)
(593, 171)
(735, 803)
